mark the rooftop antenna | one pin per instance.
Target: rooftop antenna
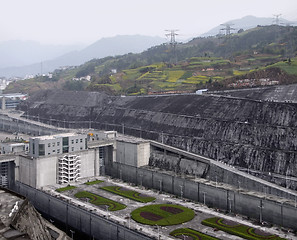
(227, 28)
(172, 33)
(276, 19)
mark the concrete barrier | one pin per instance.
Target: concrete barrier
(259, 208)
(77, 218)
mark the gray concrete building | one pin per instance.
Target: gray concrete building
(63, 158)
(57, 144)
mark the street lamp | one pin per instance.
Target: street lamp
(230, 204)
(107, 210)
(72, 233)
(160, 185)
(261, 207)
(181, 191)
(158, 231)
(204, 197)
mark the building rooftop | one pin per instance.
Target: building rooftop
(47, 137)
(130, 139)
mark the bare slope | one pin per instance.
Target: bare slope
(253, 134)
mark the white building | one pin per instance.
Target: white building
(13, 147)
(65, 158)
(57, 144)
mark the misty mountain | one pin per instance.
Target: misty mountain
(18, 53)
(112, 46)
(245, 23)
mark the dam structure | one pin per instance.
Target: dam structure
(171, 152)
(253, 133)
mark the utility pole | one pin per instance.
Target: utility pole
(172, 33)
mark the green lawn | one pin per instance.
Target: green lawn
(98, 200)
(195, 235)
(162, 214)
(128, 194)
(239, 229)
(94, 182)
(63, 189)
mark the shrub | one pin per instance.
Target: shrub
(239, 229)
(162, 214)
(195, 235)
(63, 189)
(128, 194)
(94, 182)
(98, 200)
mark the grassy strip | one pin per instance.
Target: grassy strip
(94, 182)
(167, 218)
(128, 194)
(98, 200)
(63, 189)
(238, 230)
(196, 235)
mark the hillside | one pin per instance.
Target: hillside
(25, 54)
(259, 135)
(245, 23)
(239, 60)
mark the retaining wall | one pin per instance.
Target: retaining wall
(76, 218)
(260, 208)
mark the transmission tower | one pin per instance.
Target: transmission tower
(227, 28)
(172, 33)
(276, 20)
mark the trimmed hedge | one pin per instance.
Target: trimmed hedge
(98, 200)
(63, 189)
(239, 229)
(155, 215)
(128, 194)
(94, 182)
(195, 235)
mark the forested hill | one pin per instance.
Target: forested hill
(212, 62)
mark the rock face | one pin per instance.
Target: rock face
(248, 133)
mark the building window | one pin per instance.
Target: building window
(49, 145)
(76, 140)
(53, 144)
(49, 153)
(58, 143)
(41, 150)
(33, 149)
(72, 149)
(54, 150)
(58, 150)
(65, 141)
(81, 140)
(72, 141)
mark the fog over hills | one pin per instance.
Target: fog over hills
(18, 53)
(245, 23)
(26, 58)
(19, 58)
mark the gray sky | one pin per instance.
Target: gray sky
(86, 21)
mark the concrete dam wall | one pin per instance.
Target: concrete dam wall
(252, 134)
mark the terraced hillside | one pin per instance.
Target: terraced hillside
(259, 135)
